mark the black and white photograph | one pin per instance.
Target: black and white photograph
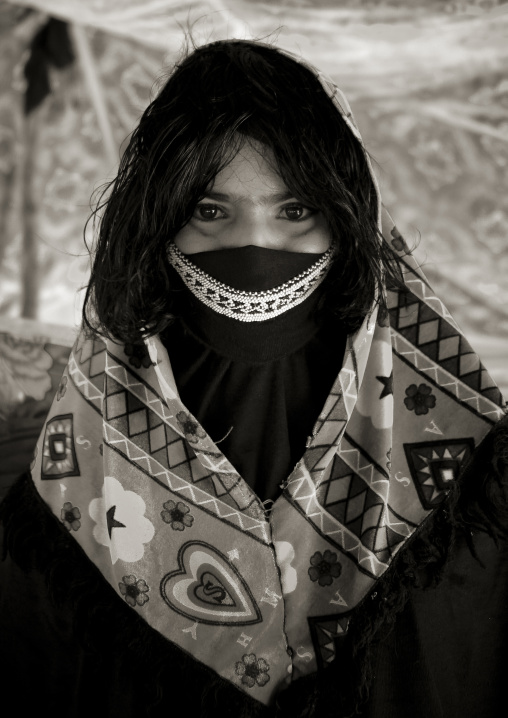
(254, 358)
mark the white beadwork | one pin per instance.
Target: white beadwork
(249, 306)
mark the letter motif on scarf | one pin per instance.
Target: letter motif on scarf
(208, 588)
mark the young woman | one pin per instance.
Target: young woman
(264, 444)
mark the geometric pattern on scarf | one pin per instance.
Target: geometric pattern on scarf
(353, 516)
(442, 342)
(434, 464)
(354, 504)
(335, 414)
(59, 453)
(325, 630)
(136, 414)
(87, 369)
(193, 494)
(135, 410)
(349, 498)
(447, 383)
(304, 499)
(184, 541)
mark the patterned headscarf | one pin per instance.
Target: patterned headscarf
(185, 542)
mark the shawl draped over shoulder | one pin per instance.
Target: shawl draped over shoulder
(160, 583)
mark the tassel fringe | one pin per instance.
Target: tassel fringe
(104, 625)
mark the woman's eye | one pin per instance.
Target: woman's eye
(208, 212)
(297, 212)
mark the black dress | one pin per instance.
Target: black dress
(256, 388)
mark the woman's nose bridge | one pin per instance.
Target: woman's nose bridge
(252, 228)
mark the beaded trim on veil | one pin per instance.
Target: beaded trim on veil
(249, 306)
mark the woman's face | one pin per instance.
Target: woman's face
(249, 204)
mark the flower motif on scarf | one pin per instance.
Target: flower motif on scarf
(254, 671)
(419, 399)
(177, 515)
(138, 355)
(62, 387)
(193, 432)
(121, 524)
(134, 590)
(285, 553)
(70, 516)
(324, 568)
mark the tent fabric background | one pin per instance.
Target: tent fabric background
(428, 86)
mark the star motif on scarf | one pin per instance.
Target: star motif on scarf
(387, 382)
(112, 522)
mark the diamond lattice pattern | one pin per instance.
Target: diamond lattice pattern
(126, 413)
(350, 500)
(441, 342)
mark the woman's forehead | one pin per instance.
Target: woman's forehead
(251, 173)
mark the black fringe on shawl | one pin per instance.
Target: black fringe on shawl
(104, 625)
(477, 502)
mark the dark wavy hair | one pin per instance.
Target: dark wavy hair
(217, 97)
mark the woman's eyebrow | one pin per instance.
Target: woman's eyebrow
(265, 199)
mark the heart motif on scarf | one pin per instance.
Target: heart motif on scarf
(211, 590)
(208, 588)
